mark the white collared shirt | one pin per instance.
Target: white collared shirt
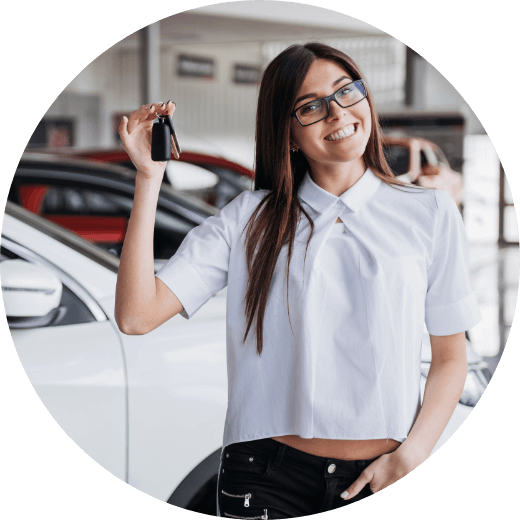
(347, 364)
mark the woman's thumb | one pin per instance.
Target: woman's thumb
(123, 130)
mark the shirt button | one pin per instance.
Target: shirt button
(332, 468)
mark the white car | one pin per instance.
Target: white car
(149, 408)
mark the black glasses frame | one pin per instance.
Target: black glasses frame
(330, 98)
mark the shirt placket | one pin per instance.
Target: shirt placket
(323, 226)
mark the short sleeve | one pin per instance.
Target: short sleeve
(199, 268)
(450, 306)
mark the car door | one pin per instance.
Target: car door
(177, 379)
(75, 365)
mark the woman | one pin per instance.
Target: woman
(338, 265)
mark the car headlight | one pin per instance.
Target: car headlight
(476, 382)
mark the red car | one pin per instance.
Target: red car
(217, 180)
(213, 178)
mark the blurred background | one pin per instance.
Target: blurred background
(71, 197)
(210, 61)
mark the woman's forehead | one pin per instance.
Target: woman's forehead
(322, 75)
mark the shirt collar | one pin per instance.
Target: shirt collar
(321, 200)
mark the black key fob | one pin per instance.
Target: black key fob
(164, 139)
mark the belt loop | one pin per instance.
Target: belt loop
(279, 455)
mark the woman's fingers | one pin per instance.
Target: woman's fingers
(141, 115)
(165, 108)
(168, 108)
(147, 113)
(136, 135)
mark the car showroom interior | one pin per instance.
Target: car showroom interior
(133, 402)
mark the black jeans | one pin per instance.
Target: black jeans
(264, 479)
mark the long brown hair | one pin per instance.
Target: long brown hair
(281, 172)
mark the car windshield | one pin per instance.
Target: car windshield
(398, 158)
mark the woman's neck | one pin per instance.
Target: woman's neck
(337, 178)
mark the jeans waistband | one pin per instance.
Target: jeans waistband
(283, 452)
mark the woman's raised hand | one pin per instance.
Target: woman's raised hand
(136, 135)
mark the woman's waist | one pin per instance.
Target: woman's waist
(344, 449)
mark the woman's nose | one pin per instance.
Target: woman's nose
(335, 110)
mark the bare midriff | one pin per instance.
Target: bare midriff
(340, 448)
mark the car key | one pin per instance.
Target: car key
(164, 139)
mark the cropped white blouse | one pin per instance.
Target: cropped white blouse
(347, 364)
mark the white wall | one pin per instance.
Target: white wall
(381, 59)
(206, 109)
(437, 93)
(220, 110)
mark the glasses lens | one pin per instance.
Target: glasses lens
(350, 94)
(317, 110)
(312, 112)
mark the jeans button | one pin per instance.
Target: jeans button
(332, 468)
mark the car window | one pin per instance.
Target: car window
(398, 158)
(100, 215)
(73, 309)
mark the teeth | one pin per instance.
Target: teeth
(340, 134)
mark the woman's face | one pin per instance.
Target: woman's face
(314, 141)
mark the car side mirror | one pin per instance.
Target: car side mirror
(31, 293)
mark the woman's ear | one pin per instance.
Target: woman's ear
(292, 144)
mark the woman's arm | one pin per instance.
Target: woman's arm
(142, 302)
(444, 385)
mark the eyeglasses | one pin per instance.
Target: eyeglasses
(316, 110)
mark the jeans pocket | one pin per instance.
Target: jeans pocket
(240, 461)
(246, 497)
(239, 501)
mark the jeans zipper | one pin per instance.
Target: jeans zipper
(262, 517)
(246, 497)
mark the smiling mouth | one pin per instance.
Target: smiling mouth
(344, 133)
